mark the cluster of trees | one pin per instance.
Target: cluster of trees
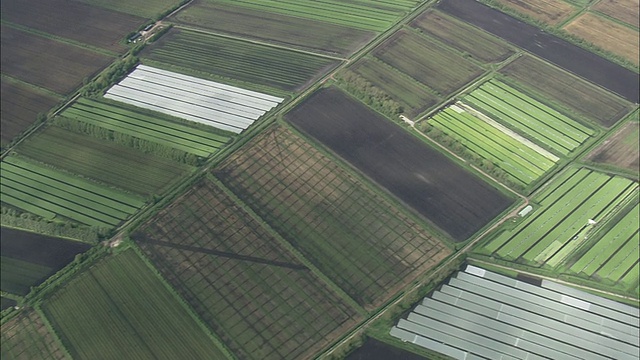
(370, 94)
(110, 76)
(460, 149)
(81, 127)
(13, 218)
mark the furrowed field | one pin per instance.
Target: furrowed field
(254, 293)
(158, 129)
(146, 9)
(549, 11)
(240, 60)
(621, 149)
(62, 69)
(619, 9)
(581, 209)
(28, 258)
(50, 193)
(529, 117)
(360, 241)
(108, 162)
(463, 37)
(20, 106)
(607, 34)
(569, 91)
(91, 25)
(119, 308)
(523, 161)
(301, 32)
(427, 61)
(26, 337)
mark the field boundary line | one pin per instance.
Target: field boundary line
(297, 254)
(47, 324)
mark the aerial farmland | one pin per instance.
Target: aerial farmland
(261, 179)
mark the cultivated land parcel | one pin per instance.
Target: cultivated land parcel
(317, 214)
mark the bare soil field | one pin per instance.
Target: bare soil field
(579, 96)
(73, 20)
(623, 10)
(621, 149)
(452, 199)
(551, 12)
(551, 48)
(20, 106)
(607, 35)
(359, 240)
(256, 295)
(288, 30)
(47, 63)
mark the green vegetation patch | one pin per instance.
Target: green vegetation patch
(120, 309)
(529, 117)
(428, 61)
(26, 337)
(18, 276)
(363, 243)
(239, 60)
(49, 193)
(108, 162)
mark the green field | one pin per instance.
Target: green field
(26, 337)
(372, 15)
(257, 296)
(360, 241)
(18, 276)
(462, 37)
(49, 193)
(428, 61)
(577, 95)
(123, 167)
(572, 209)
(413, 96)
(120, 309)
(157, 129)
(245, 61)
(529, 117)
(523, 161)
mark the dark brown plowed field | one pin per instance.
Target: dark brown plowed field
(73, 20)
(450, 197)
(47, 63)
(560, 52)
(621, 149)
(20, 107)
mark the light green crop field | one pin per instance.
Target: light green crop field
(529, 117)
(49, 193)
(119, 309)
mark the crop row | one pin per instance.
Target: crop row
(529, 117)
(47, 193)
(241, 60)
(26, 337)
(370, 15)
(523, 163)
(146, 127)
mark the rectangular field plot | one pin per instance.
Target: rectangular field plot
(149, 9)
(62, 69)
(257, 296)
(549, 11)
(484, 47)
(290, 31)
(523, 161)
(577, 95)
(28, 258)
(239, 60)
(49, 193)
(26, 337)
(623, 10)
(222, 106)
(120, 309)
(360, 241)
(156, 129)
(20, 106)
(107, 162)
(570, 211)
(428, 61)
(621, 148)
(451, 198)
(529, 117)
